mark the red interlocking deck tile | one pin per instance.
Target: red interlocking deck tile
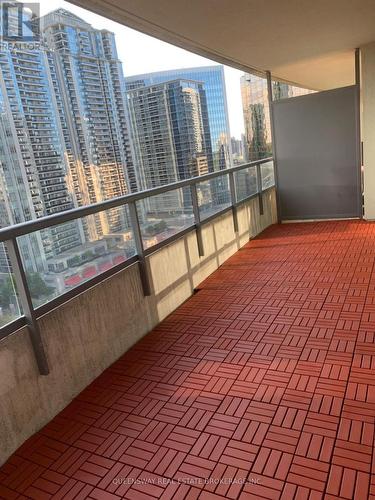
(315, 446)
(308, 472)
(272, 463)
(353, 455)
(260, 386)
(356, 431)
(262, 487)
(348, 483)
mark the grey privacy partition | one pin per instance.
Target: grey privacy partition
(317, 149)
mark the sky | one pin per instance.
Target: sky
(140, 53)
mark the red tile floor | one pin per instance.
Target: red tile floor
(262, 385)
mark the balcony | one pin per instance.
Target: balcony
(223, 348)
(110, 293)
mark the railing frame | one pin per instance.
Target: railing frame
(197, 219)
(259, 189)
(9, 235)
(233, 197)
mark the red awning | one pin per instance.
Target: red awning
(73, 280)
(104, 266)
(118, 259)
(89, 272)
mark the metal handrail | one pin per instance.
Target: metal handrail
(9, 235)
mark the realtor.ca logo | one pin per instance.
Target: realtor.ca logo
(20, 24)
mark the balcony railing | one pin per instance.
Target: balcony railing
(153, 218)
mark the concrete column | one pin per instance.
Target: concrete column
(368, 126)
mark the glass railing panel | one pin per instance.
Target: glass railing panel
(267, 175)
(164, 215)
(213, 196)
(10, 308)
(246, 183)
(59, 259)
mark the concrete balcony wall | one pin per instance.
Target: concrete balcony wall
(91, 331)
(368, 127)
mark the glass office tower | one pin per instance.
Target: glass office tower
(212, 78)
(254, 93)
(171, 137)
(256, 117)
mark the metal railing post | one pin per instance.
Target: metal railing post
(23, 293)
(259, 188)
(232, 188)
(197, 219)
(143, 272)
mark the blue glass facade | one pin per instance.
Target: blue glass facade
(213, 81)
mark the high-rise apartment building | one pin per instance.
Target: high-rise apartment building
(63, 137)
(212, 78)
(91, 87)
(237, 150)
(33, 166)
(171, 137)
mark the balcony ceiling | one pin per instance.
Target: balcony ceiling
(310, 42)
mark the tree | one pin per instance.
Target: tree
(156, 228)
(37, 288)
(88, 255)
(74, 261)
(7, 292)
